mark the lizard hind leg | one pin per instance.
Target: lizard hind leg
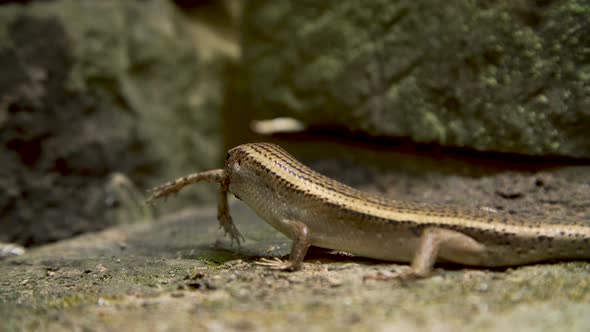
(174, 186)
(217, 175)
(299, 233)
(223, 215)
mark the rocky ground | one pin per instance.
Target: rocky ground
(178, 271)
(99, 100)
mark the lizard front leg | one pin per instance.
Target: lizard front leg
(440, 242)
(434, 243)
(217, 175)
(299, 233)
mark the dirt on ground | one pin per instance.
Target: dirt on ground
(180, 273)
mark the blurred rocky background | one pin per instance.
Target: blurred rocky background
(510, 76)
(475, 103)
(93, 88)
(156, 89)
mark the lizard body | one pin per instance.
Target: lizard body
(312, 209)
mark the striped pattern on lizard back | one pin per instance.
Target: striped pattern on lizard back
(469, 221)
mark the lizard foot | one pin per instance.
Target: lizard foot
(276, 264)
(229, 228)
(164, 190)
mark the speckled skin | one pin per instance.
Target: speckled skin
(280, 188)
(313, 209)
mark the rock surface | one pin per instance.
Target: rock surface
(179, 273)
(93, 88)
(501, 76)
(97, 95)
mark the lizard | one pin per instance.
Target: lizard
(313, 209)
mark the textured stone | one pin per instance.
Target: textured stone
(511, 76)
(92, 88)
(181, 274)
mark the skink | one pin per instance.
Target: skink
(312, 209)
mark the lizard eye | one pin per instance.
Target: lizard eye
(227, 156)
